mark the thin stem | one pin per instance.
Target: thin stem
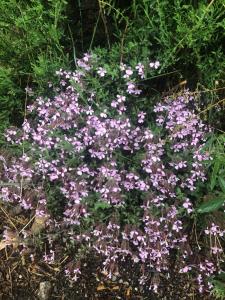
(94, 31)
(102, 13)
(73, 44)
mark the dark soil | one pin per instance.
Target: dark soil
(20, 277)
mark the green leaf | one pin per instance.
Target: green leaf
(221, 276)
(101, 205)
(222, 184)
(211, 205)
(219, 284)
(214, 174)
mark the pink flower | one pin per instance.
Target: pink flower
(101, 72)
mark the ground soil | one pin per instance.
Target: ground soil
(20, 277)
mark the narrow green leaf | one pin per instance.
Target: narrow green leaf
(219, 284)
(214, 174)
(222, 184)
(211, 205)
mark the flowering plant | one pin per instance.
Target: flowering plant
(112, 180)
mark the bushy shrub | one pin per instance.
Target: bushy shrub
(31, 38)
(186, 37)
(96, 168)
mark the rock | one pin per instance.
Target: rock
(44, 290)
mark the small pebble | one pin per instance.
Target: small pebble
(44, 290)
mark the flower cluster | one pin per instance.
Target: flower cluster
(91, 150)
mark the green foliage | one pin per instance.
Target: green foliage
(213, 192)
(211, 205)
(186, 38)
(99, 209)
(222, 184)
(8, 100)
(31, 50)
(37, 37)
(219, 290)
(216, 147)
(219, 286)
(55, 200)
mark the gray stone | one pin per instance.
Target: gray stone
(44, 290)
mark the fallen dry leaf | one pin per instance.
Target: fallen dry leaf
(11, 238)
(101, 287)
(3, 244)
(39, 224)
(128, 292)
(115, 288)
